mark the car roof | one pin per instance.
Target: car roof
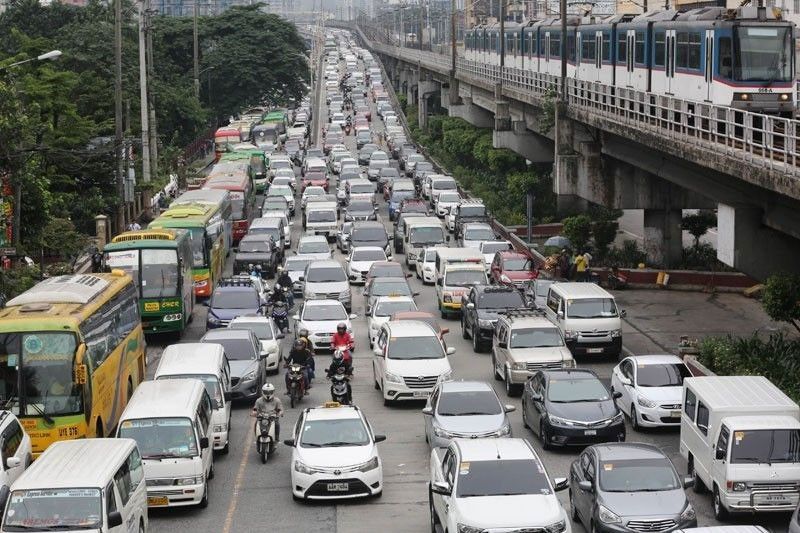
(574, 373)
(510, 253)
(249, 319)
(465, 386)
(494, 449)
(313, 238)
(477, 224)
(627, 450)
(573, 289)
(322, 303)
(368, 224)
(367, 248)
(643, 360)
(410, 328)
(530, 321)
(332, 413)
(235, 288)
(324, 263)
(380, 299)
(224, 333)
(494, 288)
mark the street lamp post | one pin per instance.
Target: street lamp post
(51, 55)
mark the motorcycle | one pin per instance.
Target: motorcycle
(347, 128)
(297, 387)
(280, 315)
(340, 387)
(265, 436)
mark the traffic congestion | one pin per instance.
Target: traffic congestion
(328, 318)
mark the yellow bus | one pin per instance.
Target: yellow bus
(72, 351)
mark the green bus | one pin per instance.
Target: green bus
(258, 165)
(277, 117)
(160, 263)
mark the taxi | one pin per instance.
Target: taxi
(334, 454)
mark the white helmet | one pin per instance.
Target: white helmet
(267, 391)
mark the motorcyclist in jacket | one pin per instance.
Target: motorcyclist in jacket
(339, 361)
(302, 335)
(284, 280)
(299, 355)
(342, 337)
(269, 404)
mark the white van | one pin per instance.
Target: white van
(86, 484)
(421, 232)
(740, 436)
(170, 420)
(208, 363)
(588, 318)
(455, 282)
(321, 218)
(439, 184)
(449, 256)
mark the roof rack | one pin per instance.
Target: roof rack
(498, 288)
(523, 313)
(241, 280)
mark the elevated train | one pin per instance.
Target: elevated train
(743, 58)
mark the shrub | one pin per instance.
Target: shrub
(698, 224)
(578, 229)
(782, 298)
(629, 256)
(604, 232)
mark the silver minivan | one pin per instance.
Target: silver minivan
(327, 280)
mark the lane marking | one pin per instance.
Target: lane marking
(238, 483)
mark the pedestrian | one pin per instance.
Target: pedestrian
(563, 264)
(580, 267)
(97, 261)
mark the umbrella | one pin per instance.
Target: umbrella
(559, 241)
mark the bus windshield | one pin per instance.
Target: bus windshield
(36, 373)
(763, 53)
(54, 509)
(158, 277)
(198, 247)
(159, 438)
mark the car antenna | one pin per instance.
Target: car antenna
(498, 450)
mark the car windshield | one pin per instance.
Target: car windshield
(251, 246)
(360, 207)
(326, 275)
(542, 287)
(424, 165)
(472, 211)
(297, 265)
(515, 265)
(592, 308)
(324, 312)
(449, 197)
(502, 477)
(210, 381)
(535, 338)
(390, 308)
(280, 190)
(478, 234)
(390, 288)
(765, 446)
(427, 347)
(500, 300)
(235, 349)
(425, 235)
(638, 475)
(159, 438)
(466, 403)
(567, 390)
(54, 510)
(369, 255)
(334, 433)
(362, 188)
(273, 232)
(277, 203)
(400, 195)
(313, 247)
(227, 299)
(444, 185)
(320, 215)
(385, 271)
(464, 278)
(669, 375)
(369, 235)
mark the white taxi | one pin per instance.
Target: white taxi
(334, 454)
(385, 307)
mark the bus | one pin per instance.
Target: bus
(277, 117)
(72, 352)
(206, 222)
(243, 198)
(160, 263)
(223, 137)
(258, 165)
(213, 196)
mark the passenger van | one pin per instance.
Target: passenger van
(208, 363)
(448, 256)
(170, 420)
(587, 316)
(321, 219)
(86, 484)
(421, 232)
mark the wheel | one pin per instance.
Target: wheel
(292, 399)
(497, 376)
(225, 449)
(524, 418)
(635, 419)
(432, 512)
(699, 487)
(720, 513)
(476, 343)
(264, 453)
(463, 328)
(573, 512)
(511, 389)
(211, 471)
(204, 501)
(443, 313)
(544, 436)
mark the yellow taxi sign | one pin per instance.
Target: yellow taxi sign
(328, 405)
(80, 374)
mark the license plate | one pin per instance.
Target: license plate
(421, 394)
(772, 498)
(590, 432)
(338, 487)
(675, 414)
(157, 501)
(594, 350)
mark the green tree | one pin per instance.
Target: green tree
(781, 298)
(578, 229)
(698, 224)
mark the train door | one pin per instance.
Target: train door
(598, 55)
(708, 67)
(581, 63)
(546, 52)
(669, 67)
(629, 56)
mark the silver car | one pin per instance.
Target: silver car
(464, 409)
(326, 280)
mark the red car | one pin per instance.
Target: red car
(314, 178)
(365, 112)
(512, 268)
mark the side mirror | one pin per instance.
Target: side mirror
(440, 282)
(296, 317)
(203, 443)
(408, 276)
(353, 316)
(262, 355)
(280, 336)
(509, 408)
(377, 351)
(414, 293)
(447, 238)
(536, 397)
(502, 344)
(688, 482)
(445, 331)
(289, 442)
(301, 278)
(560, 315)
(560, 483)
(623, 313)
(206, 303)
(616, 395)
(451, 350)
(368, 310)
(379, 438)
(114, 519)
(13, 462)
(441, 487)
(720, 456)
(470, 305)
(427, 411)
(585, 486)
(227, 396)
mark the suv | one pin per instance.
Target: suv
(480, 309)
(233, 297)
(523, 342)
(17, 450)
(248, 361)
(258, 250)
(326, 280)
(272, 226)
(510, 267)
(466, 211)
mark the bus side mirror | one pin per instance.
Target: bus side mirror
(203, 443)
(114, 519)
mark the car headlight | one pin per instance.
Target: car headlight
(192, 480)
(616, 419)
(464, 528)
(644, 402)
(688, 513)
(503, 431)
(485, 323)
(211, 319)
(505, 279)
(570, 335)
(446, 375)
(737, 486)
(250, 376)
(310, 295)
(519, 366)
(345, 295)
(218, 428)
(392, 378)
(558, 421)
(616, 333)
(558, 527)
(439, 432)
(372, 464)
(303, 468)
(606, 516)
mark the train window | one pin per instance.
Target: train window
(622, 47)
(639, 51)
(725, 57)
(682, 55)
(606, 46)
(571, 47)
(694, 51)
(660, 53)
(587, 48)
(534, 44)
(555, 45)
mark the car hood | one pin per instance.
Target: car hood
(543, 354)
(327, 286)
(322, 326)
(316, 255)
(661, 503)
(489, 314)
(269, 346)
(240, 368)
(663, 395)
(519, 274)
(418, 367)
(335, 457)
(472, 244)
(522, 511)
(361, 266)
(171, 467)
(471, 425)
(230, 314)
(583, 411)
(295, 275)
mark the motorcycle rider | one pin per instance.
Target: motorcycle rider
(269, 404)
(302, 335)
(339, 361)
(299, 355)
(284, 280)
(343, 339)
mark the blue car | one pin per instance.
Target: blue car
(394, 202)
(231, 301)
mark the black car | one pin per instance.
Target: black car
(571, 407)
(370, 233)
(360, 210)
(480, 308)
(259, 250)
(366, 152)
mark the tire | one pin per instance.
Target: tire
(544, 437)
(263, 454)
(573, 512)
(227, 448)
(291, 399)
(524, 417)
(635, 419)
(476, 343)
(443, 313)
(204, 502)
(699, 487)
(432, 512)
(464, 327)
(720, 513)
(211, 472)
(497, 377)
(511, 389)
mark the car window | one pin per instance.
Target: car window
(722, 441)
(702, 418)
(589, 472)
(689, 404)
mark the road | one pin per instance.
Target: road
(248, 496)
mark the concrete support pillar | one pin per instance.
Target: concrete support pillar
(422, 111)
(534, 148)
(475, 115)
(453, 96)
(425, 88)
(746, 244)
(502, 116)
(663, 237)
(101, 230)
(565, 169)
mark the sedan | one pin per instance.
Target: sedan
(376, 287)
(651, 389)
(464, 409)
(620, 487)
(320, 318)
(360, 210)
(571, 407)
(361, 259)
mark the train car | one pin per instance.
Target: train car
(594, 45)
(550, 45)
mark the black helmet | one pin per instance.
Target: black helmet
(299, 345)
(341, 327)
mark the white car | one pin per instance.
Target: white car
(652, 389)
(337, 119)
(320, 318)
(360, 260)
(474, 233)
(269, 336)
(283, 178)
(480, 485)
(287, 225)
(426, 266)
(314, 247)
(17, 450)
(334, 454)
(488, 249)
(409, 359)
(295, 266)
(385, 307)
(311, 190)
(283, 190)
(445, 201)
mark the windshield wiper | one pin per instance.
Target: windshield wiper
(159, 456)
(466, 413)
(337, 443)
(751, 459)
(311, 444)
(45, 416)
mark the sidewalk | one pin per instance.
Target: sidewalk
(656, 319)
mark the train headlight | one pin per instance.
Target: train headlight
(744, 96)
(785, 96)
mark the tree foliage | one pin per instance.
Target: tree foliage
(578, 229)
(698, 224)
(781, 298)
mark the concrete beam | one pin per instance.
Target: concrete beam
(477, 116)
(534, 148)
(425, 89)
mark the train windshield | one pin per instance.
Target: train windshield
(764, 53)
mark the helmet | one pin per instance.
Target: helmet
(280, 268)
(303, 333)
(341, 327)
(299, 345)
(277, 287)
(267, 391)
(250, 266)
(338, 354)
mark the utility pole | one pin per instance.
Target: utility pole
(143, 95)
(453, 35)
(402, 27)
(151, 104)
(119, 148)
(563, 7)
(502, 37)
(421, 18)
(196, 54)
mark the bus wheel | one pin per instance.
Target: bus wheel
(99, 429)
(130, 388)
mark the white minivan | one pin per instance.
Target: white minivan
(208, 363)
(422, 232)
(587, 316)
(170, 420)
(86, 484)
